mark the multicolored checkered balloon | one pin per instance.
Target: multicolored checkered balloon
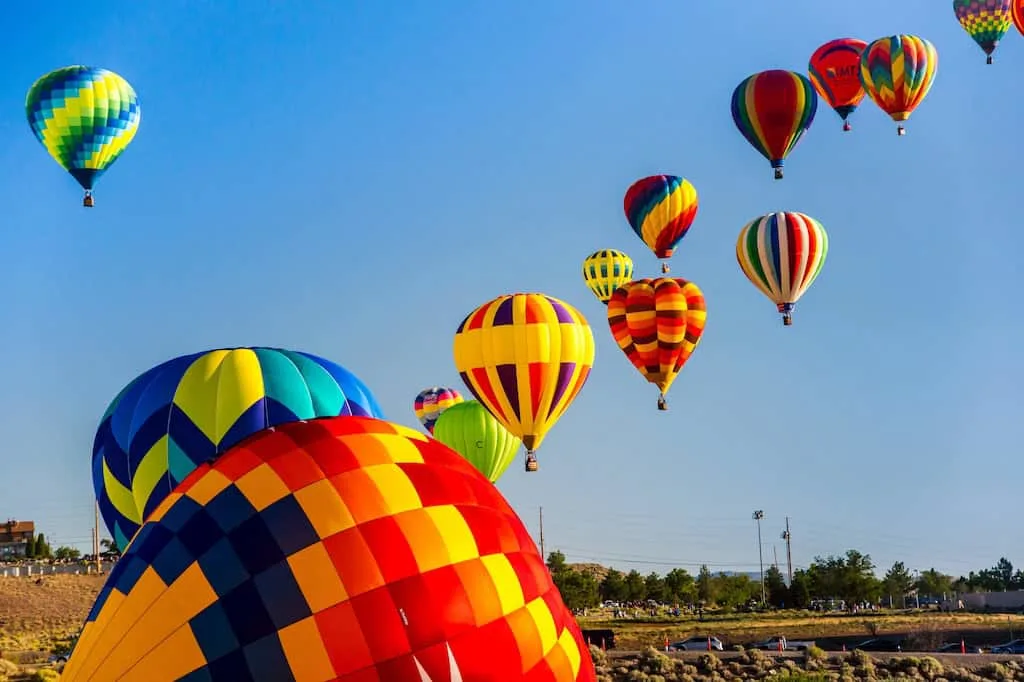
(85, 117)
(344, 548)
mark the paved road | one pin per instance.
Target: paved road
(965, 660)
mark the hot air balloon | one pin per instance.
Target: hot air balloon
(431, 403)
(473, 432)
(85, 117)
(344, 548)
(897, 72)
(661, 209)
(525, 357)
(1017, 13)
(782, 254)
(657, 324)
(834, 71)
(773, 109)
(986, 21)
(605, 270)
(188, 410)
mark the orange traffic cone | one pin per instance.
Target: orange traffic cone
(963, 646)
(666, 642)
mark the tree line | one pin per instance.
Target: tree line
(850, 577)
(36, 547)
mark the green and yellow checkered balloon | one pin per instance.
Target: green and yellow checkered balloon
(85, 117)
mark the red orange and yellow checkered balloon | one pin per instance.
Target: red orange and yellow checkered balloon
(344, 548)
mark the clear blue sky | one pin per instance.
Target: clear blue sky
(352, 178)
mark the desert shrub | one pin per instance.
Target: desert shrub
(931, 668)
(708, 663)
(815, 653)
(996, 671)
(44, 675)
(753, 656)
(653, 661)
(7, 669)
(863, 662)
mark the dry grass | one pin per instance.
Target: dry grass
(635, 634)
(39, 615)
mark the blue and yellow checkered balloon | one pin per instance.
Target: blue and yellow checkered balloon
(85, 117)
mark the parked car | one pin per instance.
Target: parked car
(881, 644)
(599, 638)
(1014, 647)
(954, 648)
(772, 644)
(697, 644)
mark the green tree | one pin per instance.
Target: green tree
(654, 586)
(775, 588)
(556, 562)
(613, 587)
(897, 583)
(30, 547)
(636, 588)
(705, 585)
(800, 590)
(735, 590)
(578, 589)
(67, 554)
(850, 578)
(42, 548)
(680, 586)
(931, 583)
(108, 545)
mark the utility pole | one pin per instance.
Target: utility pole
(542, 554)
(96, 536)
(758, 515)
(789, 552)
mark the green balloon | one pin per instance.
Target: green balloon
(473, 432)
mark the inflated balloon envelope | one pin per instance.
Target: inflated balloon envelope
(344, 548)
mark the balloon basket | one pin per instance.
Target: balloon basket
(989, 60)
(778, 173)
(87, 201)
(787, 320)
(847, 127)
(664, 268)
(531, 463)
(662, 404)
(901, 131)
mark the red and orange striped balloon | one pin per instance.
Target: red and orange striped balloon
(657, 324)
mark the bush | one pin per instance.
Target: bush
(44, 675)
(7, 669)
(815, 653)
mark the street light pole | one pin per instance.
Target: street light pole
(758, 515)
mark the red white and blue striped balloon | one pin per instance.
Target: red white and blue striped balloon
(782, 254)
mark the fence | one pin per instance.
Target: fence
(38, 570)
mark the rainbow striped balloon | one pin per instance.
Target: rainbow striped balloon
(773, 109)
(986, 21)
(897, 72)
(661, 209)
(658, 324)
(431, 403)
(782, 254)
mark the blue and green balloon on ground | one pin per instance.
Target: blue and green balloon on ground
(189, 410)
